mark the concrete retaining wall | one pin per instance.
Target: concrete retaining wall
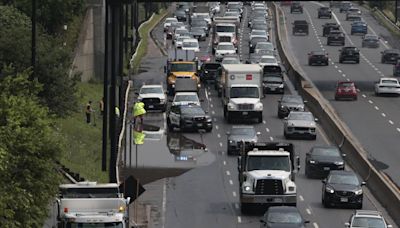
(381, 187)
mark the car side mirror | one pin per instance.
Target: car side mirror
(389, 226)
(316, 119)
(307, 221)
(201, 100)
(323, 181)
(258, 133)
(340, 50)
(285, 118)
(344, 155)
(363, 183)
(347, 224)
(263, 222)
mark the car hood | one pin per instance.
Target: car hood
(225, 51)
(225, 34)
(301, 123)
(198, 33)
(326, 159)
(297, 105)
(269, 174)
(152, 95)
(194, 115)
(344, 187)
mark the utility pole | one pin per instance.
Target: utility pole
(105, 91)
(33, 39)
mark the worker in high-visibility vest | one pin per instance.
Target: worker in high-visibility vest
(138, 135)
(138, 111)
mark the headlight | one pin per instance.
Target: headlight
(291, 189)
(208, 119)
(162, 100)
(231, 142)
(312, 162)
(329, 189)
(281, 86)
(140, 98)
(359, 191)
(259, 106)
(247, 188)
(173, 85)
(282, 107)
(231, 106)
(338, 163)
(206, 71)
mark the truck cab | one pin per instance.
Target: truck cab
(267, 174)
(242, 91)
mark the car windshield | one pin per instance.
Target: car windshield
(343, 179)
(146, 90)
(230, 61)
(371, 38)
(301, 116)
(226, 47)
(181, 31)
(181, 38)
(225, 29)
(267, 46)
(190, 44)
(330, 152)
(192, 110)
(365, 222)
(232, 13)
(197, 29)
(268, 163)
(169, 20)
(244, 92)
(259, 33)
(389, 81)
(211, 66)
(186, 97)
(268, 60)
(199, 23)
(284, 217)
(243, 131)
(183, 67)
(346, 84)
(290, 99)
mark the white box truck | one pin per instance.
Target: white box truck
(242, 91)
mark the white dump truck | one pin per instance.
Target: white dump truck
(88, 204)
(242, 91)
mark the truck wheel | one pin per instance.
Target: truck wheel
(260, 118)
(309, 63)
(340, 60)
(359, 206)
(314, 137)
(286, 135)
(170, 126)
(357, 61)
(219, 93)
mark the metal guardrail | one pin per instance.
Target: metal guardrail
(380, 185)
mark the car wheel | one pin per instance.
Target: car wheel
(330, 17)
(325, 203)
(355, 98)
(357, 61)
(326, 63)
(309, 63)
(314, 137)
(170, 126)
(260, 119)
(336, 98)
(280, 116)
(286, 135)
(383, 60)
(340, 60)
(359, 206)
(328, 43)
(219, 93)
(245, 208)
(307, 173)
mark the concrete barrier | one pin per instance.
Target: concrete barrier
(382, 188)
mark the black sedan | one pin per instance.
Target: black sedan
(290, 103)
(241, 134)
(283, 216)
(188, 117)
(318, 58)
(390, 56)
(342, 188)
(198, 33)
(180, 15)
(210, 71)
(322, 159)
(254, 41)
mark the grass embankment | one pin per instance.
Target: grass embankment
(84, 141)
(143, 32)
(386, 23)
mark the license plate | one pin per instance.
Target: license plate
(199, 125)
(278, 200)
(151, 106)
(327, 168)
(245, 113)
(272, 89)
(344, 200)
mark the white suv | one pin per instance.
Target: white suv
(153, 97)
(366, 218)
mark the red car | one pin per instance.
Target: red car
(346, 90)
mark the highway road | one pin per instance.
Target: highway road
(208, 196)
(375, 121)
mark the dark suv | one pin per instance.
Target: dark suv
(390, 56)
(324, 12)
(300, 26)
(296, 7)
(188, 117)
(396, 69)
(349, 54)
(335, 37)
(342, 188)
(328, 27)
(209, 72)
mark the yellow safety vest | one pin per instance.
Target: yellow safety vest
(138, 109)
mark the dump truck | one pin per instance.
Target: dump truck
(267, 175)
(181, 64)
(225, 29)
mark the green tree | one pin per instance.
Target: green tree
(28, 148)
(51, 14)
(53, 61)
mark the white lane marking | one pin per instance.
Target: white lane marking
(271, 138)
(224, 162)
(216, 127)
(344, 75)
(376, 107)
(315, 225)
(336, 66)
(230, 182)
(165, 120)
(364, 95)
(239, 219)
(264, 122)
(228, 173)
(211, 105)
(220, 144)
(164, 202)
(234, 194)
(398, 129)
(267, 129)
(391, 122)
(236, 205)
(383, 114)
(212, 112)
(371, 102)
(340, 71)
(301, 198)
(348, 79)
(308, 211)
(218, 135)
(215, 119)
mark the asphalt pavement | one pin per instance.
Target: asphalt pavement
(208, 196)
